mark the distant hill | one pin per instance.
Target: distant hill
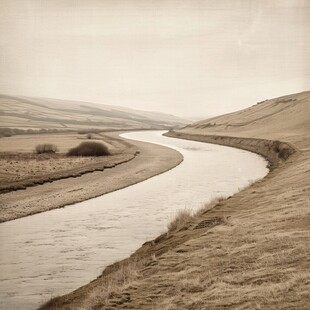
(42, 113)
(282, 118)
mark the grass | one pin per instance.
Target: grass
(89, 148)
(109, 289)
(182, 218)
(186, 216)
(36, 169)
(46, 148)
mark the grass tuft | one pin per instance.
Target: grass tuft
(182, 218)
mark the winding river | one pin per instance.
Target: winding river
(55, 252)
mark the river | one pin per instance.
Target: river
(55, 252)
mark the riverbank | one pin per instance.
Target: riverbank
(130, 163)
(248, 251)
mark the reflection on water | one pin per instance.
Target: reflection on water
(55, 252)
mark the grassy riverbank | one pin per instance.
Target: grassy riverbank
(250, 251)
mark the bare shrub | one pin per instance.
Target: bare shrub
(46, 148)
(89, 136)
(276, 146)
(89, 148)
(283, 151)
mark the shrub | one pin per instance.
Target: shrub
(285, 153)
(276, 146)
(89, 149)
(46, 148)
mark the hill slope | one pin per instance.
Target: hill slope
(42, 113)
(285, 118)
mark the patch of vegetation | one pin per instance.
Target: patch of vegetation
(46, 148)
(283, 151)
(121, 276)
(89, 148)
(9, 132)
(182, 218)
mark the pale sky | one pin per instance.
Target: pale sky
(184, 57)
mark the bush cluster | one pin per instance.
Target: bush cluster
(46, 148)
(89, 148)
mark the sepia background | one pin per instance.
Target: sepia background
(189, 58)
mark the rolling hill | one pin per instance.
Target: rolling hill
(284, 118)
(42, 113)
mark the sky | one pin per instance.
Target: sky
(183, 57)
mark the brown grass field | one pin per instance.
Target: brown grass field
(250, 251)
(21, 166)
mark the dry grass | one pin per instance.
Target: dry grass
(20, 167)
(181, 219)
(184, 217)
(107, 292)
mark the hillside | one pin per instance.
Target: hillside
(285, 118)
(249, 251)
(41, 113)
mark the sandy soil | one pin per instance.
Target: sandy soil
(131, 163)
(250, 251)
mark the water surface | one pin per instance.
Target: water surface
(55, 252)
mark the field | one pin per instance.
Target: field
(21, 167)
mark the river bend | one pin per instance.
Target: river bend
(55, 252)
